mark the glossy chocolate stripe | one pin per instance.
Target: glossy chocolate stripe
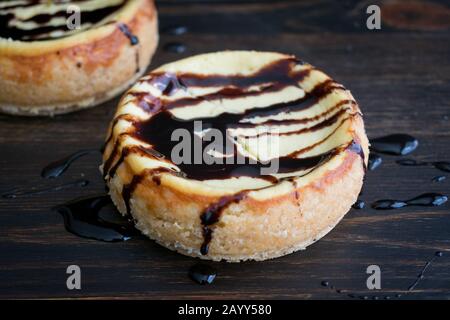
(43, 29)
(279, 71)
(326, 123)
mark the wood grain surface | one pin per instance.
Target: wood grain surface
(400, 75)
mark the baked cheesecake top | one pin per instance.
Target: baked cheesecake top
(264, 108)
(34, 20)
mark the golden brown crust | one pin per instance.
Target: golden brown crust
(58, 76)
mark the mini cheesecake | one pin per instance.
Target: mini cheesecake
(292, 162)
(50, 65)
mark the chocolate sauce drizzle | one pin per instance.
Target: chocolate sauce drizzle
(423, 200)
(157, 130)
(58, 167)
(83, 217)
(134, 40)
(440, 165)
(43, 30)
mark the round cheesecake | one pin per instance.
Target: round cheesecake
(236, 155)
(61, 56)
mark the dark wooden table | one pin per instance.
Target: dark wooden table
(400, 75)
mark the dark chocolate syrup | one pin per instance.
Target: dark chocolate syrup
(440, 165)
(84, 217)
(359, 204)
(421, 275)
(212, 215)
(57, 168)
(158, 129)
(374, 161)
(134, 40)
(202, 273)
(43, 27)
(175, 47)
(438, 178)
(424, 200)
(396, 144)
(17, 192)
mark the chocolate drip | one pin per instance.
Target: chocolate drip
(83, 217)
(134, 40)
(424, 200)
(440, 165)
(212, 215)
(396, 144)
(57, 168)
(128, 189)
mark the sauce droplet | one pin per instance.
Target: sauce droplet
(374, 161)
(202, 273)
(359, 204)
(175, 47)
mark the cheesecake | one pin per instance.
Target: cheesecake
(236, 155)
(61, 56)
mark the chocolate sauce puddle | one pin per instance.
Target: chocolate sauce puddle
(57, 168)
(440, 165)
(395, 144)
(17, 192)
(423, 200)
(83, 217)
